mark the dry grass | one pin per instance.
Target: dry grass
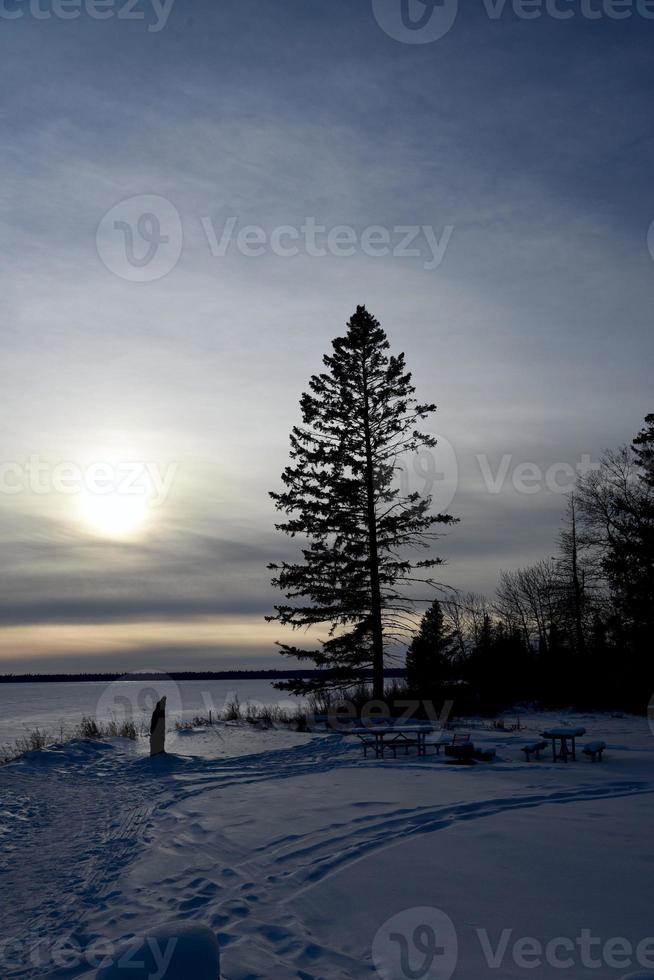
(258, 715)
(88, 727)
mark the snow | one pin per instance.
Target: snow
(308, 861)
(177, 953)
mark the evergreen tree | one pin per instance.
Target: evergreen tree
(643, 449)
(481, 669)
(340, 497)
(617, 509)
(429, 656)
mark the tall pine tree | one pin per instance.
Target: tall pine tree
(356, 576)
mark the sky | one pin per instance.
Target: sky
(197, 195)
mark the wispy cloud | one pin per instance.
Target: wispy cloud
(529, 138)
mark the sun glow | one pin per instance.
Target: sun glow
(114, 515)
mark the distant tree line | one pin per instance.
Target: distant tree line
(175, 675)
(573, 629)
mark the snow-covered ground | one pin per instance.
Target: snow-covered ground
(309, 861)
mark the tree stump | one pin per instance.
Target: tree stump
(158, 728)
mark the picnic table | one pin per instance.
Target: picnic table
(382, 737)
(564, 735)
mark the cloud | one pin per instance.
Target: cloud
(527, 137)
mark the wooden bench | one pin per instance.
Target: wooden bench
(594, 750)
(534, 748)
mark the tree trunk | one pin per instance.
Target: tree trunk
(576, 584)
(375, 590)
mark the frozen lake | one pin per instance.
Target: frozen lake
(56, 706)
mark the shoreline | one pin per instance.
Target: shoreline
(176, 675)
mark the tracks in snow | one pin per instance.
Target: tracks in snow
(76, 822)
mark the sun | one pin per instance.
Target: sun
(114, 515)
